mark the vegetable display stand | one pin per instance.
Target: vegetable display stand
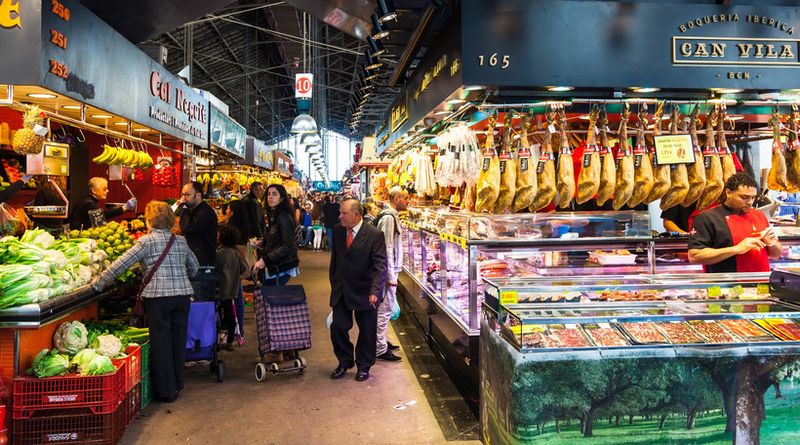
(78, 425)
(133, 365)
(100, 394)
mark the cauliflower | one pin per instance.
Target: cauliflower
(70, 337)
(107, 345)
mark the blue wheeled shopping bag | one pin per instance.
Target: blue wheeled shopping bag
(282, 319)
(201, 335)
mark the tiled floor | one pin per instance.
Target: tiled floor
(408, 402)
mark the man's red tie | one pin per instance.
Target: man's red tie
(349, 238)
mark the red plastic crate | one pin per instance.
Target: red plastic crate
(132, 404)
(101, 394)
(133, 366)
(77, 425)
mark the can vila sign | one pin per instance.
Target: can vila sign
(303, 85)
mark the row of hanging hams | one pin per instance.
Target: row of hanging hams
(514, 176)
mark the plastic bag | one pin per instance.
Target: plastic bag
(329, 319)
(395, 310)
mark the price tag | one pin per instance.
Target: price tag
(714, 291)
(736, 291)
(762, 307)
(737, 308)
(763, 289)
(508, 297)
(714, 309)
(674, 149)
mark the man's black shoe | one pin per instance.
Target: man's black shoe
(391, 346)
(338, 373)
(362, 375)
(389, 357)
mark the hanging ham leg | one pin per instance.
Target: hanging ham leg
(546, 169)
(508, 171)
(728, 167)
(565, 182)
(623, 190)
(792, 153)
(589, 178)
(776, 180)
(678, 177)
(608, 168)
(713, 165)
(660, 172)
(696, 170)
(642, 165)
(489, 176)
(526, 170)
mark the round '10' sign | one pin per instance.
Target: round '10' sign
(303, 86)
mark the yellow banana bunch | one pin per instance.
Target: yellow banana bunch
(123, 156)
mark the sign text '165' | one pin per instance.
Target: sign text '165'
(494, 60)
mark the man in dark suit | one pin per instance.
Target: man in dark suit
(358, 278)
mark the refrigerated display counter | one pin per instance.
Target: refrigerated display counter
(682, 359)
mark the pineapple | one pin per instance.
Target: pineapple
(25, 141)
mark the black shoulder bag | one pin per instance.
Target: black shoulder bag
(138, 307)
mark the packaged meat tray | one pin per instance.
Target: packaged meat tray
(604, 335)
(616, 257)
(783, 329)
(746, 330)
(712, 331)
(644, 333)
(565, 338)
(679, 333)
(792, 330)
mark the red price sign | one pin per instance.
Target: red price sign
(303, 84)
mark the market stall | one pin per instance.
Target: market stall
(79, 101)
(520, 167)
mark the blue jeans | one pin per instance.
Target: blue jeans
(308, 234)
(283, 279)
(329, 232)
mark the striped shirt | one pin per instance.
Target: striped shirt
(172, 277)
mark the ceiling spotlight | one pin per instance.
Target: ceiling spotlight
(375, 47)
(560, 89)
(102, 116)
(42, 95)
(474, 88)
(645, 89)
(727, 90)
(374, 75)
(71, 107)
(456, 101)
(121, 124)
(379, 30)
(141, 130)
(442, 112)
(386, 10)
(371, 63)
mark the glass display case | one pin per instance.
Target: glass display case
(566, 356)
(594, 313)
(543, 245)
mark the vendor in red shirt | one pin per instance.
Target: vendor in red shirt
(734, 237)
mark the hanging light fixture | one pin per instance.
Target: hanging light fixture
(375, 46)
(386, 10)
(304, 123)
(379, 30)
(311, 139)
(371, 63)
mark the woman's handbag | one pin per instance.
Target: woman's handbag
(138, 307)
(248, 255)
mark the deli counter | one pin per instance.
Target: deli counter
(447, 255)
(563, 359)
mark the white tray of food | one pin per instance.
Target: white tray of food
(613, 258)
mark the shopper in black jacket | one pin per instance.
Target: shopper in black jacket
(255, 210)
(278, 252)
